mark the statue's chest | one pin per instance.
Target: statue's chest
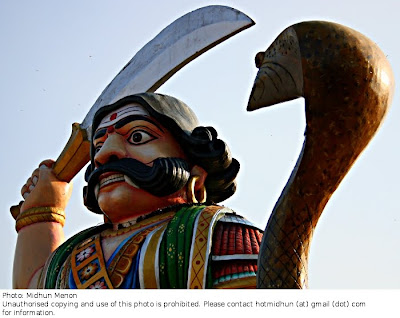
(109, 261)
(110, 244)
(169, 253)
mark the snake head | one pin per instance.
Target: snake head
(280, 76)
(323, 62)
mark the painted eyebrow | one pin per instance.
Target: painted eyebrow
(130, 118)
(100, 133)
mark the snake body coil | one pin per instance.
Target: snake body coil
(347, 84)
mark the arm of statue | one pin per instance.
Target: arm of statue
(39, 223)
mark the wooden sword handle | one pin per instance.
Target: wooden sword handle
(75, 155)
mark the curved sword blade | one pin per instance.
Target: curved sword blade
(174, 47)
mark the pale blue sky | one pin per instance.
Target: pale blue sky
(56, 58)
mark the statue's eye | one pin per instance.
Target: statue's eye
(98, 147)
(139, 137)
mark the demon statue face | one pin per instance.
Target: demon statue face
(148, 152)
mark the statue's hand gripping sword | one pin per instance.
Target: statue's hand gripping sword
(174, 47)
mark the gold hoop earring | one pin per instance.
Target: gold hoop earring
(191, 193)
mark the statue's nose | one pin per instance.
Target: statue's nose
(113, 149)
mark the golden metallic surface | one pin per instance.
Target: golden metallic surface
(347, 84)
(38, 215)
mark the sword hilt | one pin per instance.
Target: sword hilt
(75, 155)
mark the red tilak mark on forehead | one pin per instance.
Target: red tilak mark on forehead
(110, 129)
(113, 116)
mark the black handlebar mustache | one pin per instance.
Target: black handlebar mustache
(164, 177)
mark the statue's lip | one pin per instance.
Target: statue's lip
(110, 177)
(113, 177)
(108, 174)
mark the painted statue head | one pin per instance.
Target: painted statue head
(148, 151)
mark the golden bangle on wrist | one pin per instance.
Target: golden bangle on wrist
(40, 214)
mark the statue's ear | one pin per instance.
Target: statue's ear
(196, 189)
(200, 175)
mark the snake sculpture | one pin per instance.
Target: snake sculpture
(347, 85)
